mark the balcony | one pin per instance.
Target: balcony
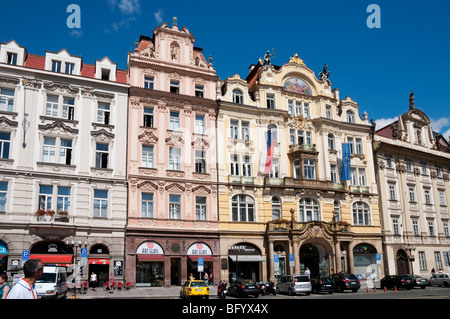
(302, 147)
(248, 180)
(308, 183)
(49, 216)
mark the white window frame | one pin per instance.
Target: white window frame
(147, 205)
(174, 206)
(201, 207)
(175, 158)
(100, 211)
(148, 156)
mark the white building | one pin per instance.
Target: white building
(63, 126)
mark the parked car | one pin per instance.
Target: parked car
(440, 280)
(419, 281)
(244, 287)
(194, 288)
(294, 284)
(323, 284)
(346, 281)
(397, 281)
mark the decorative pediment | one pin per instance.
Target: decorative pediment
(60, 87)
(174, 139)
(148, 137)
(200, 142)
(58, 127)
(201, 190)
(7, 124)
(175, 188)
(102, 135)
(147, 186)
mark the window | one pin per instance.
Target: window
(427, 196)
(45, 197)
(309, 210)
(408, 164)
(290, 107)
(234, 165)
(174, 86)
(392, 192)
(200, 208)
(105, 74)
(358, 146)
(200, 161)
(362, 176)
(148, 117)
(276, 208)
(446, 229)
(100, 203)
(424, 168)
(350, 117)
(438, 260)
(11, 58)
(337, 210)
(175, 158)
(70, 67)
(309, 168)
(389, 162)
(412, 194)
(415, 224)
(328, 112)
(65, 152)
(242, 208)
(199, 90)
(395, 227)
(352, 147)
(175, 206)
(101, 155)
(3, 196)
(103, 113)
(270, 98)
(174, 123)
(247, 166)
(68, 109)
(422, 261)
(298, 108)
(275, 170)
(353, 176)
(234, 129)
(5, 141)
(199, 124)
(56, 66)
(292, 137)
(148, 82)
(63, 199)
(6, 100)
(53, 146)
(238, 97)
(49, 150)
(447, 258)
(334, 173)
(297, 169)
(306, 110)
(431, 228)
(147, 156)
(361, 214)
(52, 106)
(147, 205)
(245, 128)
(331, 142)
(442, 198)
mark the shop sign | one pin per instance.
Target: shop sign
(243, 249)
(150, 248)
(3, 250)
(199, 249)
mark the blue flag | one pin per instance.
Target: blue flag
(346, 161)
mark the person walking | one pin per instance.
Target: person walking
(93, 280)
(307, 272)
(24, 289)
(111, 281)
(5, 287)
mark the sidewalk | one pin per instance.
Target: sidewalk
(135, 293)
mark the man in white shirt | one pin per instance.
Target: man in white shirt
(24, 289)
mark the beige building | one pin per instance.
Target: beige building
(300, 209)
(413, 165)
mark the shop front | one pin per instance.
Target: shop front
(99, 261)
(365, 262)
(52, 253)
(196, 251)
(245, 262)
(150, 263)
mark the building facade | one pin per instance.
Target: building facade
(413, 165)
(298, 213)
(172, 174)
(62, 167)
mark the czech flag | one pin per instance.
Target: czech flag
(265, 163)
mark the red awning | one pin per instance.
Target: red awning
(147, 257)
(206, 258)
(53, 259)
(98, 261)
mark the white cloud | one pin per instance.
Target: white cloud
(130, 6)
(124, 22)
(446, 134)
(158, 16)
(440, 123)
(76, 33)
(384, 122)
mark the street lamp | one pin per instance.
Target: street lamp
(76, 244)
(411, 257)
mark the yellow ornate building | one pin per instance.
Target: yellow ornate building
(301, 213)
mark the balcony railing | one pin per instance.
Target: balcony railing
(61, 218)
(302, 147)
(242, 180)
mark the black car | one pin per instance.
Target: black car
(346, 281)
(322, 284)
(397, 281)
(244, 287)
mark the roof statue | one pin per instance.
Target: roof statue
(267, 57)
(296, 59)
(325, 74)
(411, 101)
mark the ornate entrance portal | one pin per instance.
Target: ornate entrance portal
(315, 258)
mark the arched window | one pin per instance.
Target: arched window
(309, 210)
(337, 210)
(238, 97)
(361, 214)
(276, 208)
(242, 208)
(331, 142)
(350, 117)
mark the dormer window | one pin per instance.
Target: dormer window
(56, 66)
(238, 97)
(11, 58)
(350, 117)
(105, 70)
(105, 74)
(70, 67)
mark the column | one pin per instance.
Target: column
(337, 257)
(350, 259)
(270, 261)
(296, 257)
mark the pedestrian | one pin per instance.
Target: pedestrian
(191, 277)
(433, 272)
(24, 289)
(111, 282)
(210, 277)
(307, 272)
(205, 277)
(5, 287)
(93, 280)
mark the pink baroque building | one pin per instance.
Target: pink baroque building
(172, 172)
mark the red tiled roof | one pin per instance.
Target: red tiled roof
(122, 76)
(35, 62)
(88, 70)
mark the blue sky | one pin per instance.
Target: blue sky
(377, 68)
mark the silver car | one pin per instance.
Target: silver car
(440, 280)
(294, 284)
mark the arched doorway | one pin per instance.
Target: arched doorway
(314, 257)
(99, 260)
(402, 262)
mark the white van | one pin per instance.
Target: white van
(53, 283)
